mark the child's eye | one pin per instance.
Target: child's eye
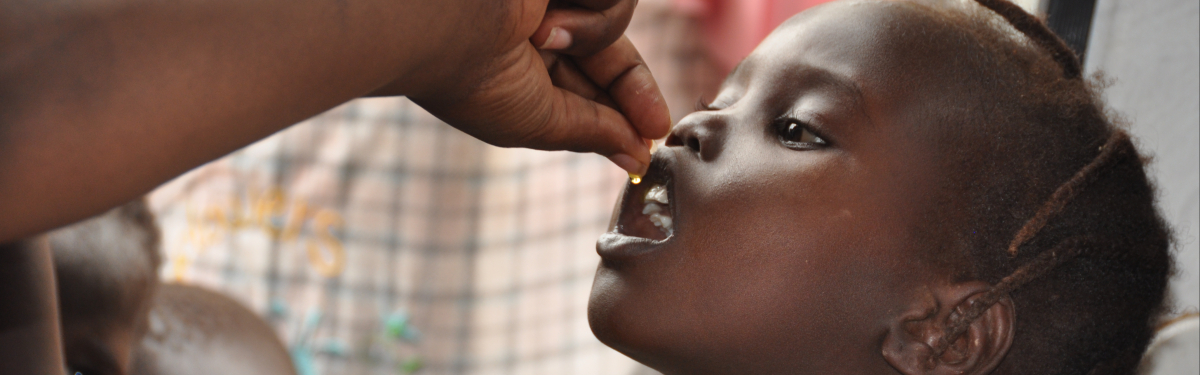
(795, 134)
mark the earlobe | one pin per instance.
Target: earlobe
(916, 341)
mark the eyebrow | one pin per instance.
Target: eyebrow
(814, 76)
(811, 76)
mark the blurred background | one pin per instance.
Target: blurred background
(377, 240)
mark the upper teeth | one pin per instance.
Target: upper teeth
(657, 193)
(658, 215)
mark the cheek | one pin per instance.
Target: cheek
(763, 258)
(792, 254)
(773, 203)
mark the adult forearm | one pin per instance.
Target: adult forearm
(102, 101)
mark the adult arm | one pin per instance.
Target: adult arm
(101, 101)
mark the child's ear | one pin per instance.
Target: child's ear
(913, 340)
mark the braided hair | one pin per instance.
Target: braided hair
(1051, 175)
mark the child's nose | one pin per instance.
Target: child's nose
(701, 132)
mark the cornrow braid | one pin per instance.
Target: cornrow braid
(1037, 30)
(1069, 190)
(1044, 263)
(1047, 261)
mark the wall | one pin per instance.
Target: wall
(1152, 51)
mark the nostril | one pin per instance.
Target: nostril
(694, 144)
(700, 132)
(673, 140)
(688, 140)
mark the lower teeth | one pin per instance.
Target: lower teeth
(663, 222)
(658, 214)
(658, 217)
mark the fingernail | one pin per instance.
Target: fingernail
(652, 145)
(558, 39)
(629, 164)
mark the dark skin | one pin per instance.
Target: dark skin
(100, 102)
(100, 345)
(106, 269)
(197, 331)
(794, 247)
(134, 92)
(118, 320)
(29, 331)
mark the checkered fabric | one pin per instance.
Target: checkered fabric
(379, 240)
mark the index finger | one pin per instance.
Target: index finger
(621, 72)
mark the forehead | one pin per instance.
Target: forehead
(897, 60)
(885, 48)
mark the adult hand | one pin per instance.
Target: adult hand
(584, 87)
(100, 104)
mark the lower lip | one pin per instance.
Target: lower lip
(615, 246)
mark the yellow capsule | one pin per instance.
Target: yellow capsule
(635, 179)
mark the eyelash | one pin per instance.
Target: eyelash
(785, 126)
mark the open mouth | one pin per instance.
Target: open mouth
(646, 211)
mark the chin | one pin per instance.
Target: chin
(610, 317)
(646, 330)
(617, 321)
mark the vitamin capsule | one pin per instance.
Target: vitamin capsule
(635, 179)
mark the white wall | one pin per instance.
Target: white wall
(1032, 6)
(1152, 49)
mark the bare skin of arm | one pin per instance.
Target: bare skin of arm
(101, 101)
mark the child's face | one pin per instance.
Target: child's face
(793, 247)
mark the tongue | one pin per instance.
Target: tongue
(642, 227)
(648, 225)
